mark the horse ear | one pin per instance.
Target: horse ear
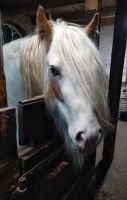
(43, 26)
(92, 26)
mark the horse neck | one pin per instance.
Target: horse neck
(31, 65)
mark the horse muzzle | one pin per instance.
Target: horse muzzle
(86, 142)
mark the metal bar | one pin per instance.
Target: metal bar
(117, 62)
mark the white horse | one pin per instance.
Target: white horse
(61, 62)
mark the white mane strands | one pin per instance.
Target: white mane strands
(32, 58)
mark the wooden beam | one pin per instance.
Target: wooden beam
(117, 63)
(11, 5)
(91, 4)
(46, 180)
(35, 125)
(31, 158)
(3, 99)
(73, 13)
(8, 144)
(76, 11)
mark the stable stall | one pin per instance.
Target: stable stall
(41, 169)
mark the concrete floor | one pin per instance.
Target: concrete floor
(115, 184)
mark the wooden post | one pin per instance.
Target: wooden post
(8, 145)
(8, 153)
(117, 62)
(3, 99)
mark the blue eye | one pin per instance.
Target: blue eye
(55, 71)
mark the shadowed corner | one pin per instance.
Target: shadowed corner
(92, 182)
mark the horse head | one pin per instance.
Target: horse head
(74, 82)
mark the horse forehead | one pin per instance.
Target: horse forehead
(54, 57)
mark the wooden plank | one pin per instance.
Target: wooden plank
(73, 11)
(35, 125)
(68, 12)
(8, 178)
(56, 185)
(8, 145)
(3, 98)
(49, 185)
(8, 153)
(62, 181)
(75, 14)
(30, 159)
(11, 5)
(117, 62)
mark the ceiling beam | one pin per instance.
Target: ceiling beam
(28, 5)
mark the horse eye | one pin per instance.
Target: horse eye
(55, 71)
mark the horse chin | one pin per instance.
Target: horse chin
(77, 157)
(85, 150)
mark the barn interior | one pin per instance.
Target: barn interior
(41, 169)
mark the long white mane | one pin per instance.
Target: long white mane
(31, 65)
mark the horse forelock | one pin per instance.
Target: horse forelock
(82, 63)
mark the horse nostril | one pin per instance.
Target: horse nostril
(79, 136)
(100, 131)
